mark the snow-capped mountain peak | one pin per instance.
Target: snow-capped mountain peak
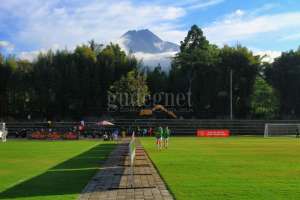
(148, 46)
(147, 42)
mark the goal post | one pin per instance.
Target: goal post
(281, 130)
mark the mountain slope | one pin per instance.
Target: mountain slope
(148, 47)
(147, 42)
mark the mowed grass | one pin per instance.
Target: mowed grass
(42, 170)
(229, 168)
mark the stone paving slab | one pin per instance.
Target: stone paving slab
(113, 181)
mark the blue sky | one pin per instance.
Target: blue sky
(30, 26)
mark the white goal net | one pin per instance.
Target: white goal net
(288, 130)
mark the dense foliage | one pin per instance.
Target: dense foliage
(284, 75)
(129, 91)
(71, 84)
(62, 84)
(204, 69)
(264, 100)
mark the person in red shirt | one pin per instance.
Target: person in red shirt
(81, 127)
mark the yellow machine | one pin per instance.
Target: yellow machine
(149, 112)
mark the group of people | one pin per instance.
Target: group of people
(161, 134)
(162, 137)
(140, 131)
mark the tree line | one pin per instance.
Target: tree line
(71, 84)
(62, 84)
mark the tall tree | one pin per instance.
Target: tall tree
(157, 80)
(193, 69)
(264, 100)
(5, 73)
(284, 77)
(112, 64)
(194, 54)
(75, 84)
(245, 67)
(130, 91)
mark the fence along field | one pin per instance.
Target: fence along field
(178, 126)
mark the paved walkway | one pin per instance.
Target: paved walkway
(113, 181)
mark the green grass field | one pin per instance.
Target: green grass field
(42, 170)
(238, 168)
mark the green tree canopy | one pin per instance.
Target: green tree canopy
(157, 80)
(245, 67)
(132, 88)
(264, 100)
(204, 70)
(284, 76)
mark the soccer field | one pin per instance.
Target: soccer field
(42, 170)
(229, 168)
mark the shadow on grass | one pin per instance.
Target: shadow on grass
(69, 177)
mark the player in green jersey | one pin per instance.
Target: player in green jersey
(166, 135)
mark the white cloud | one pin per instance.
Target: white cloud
(268, 55)
(7, 46)
(238, 13)
(32, 55)
(48, 22)
(29, 55)
(172, 12)
(265, 8)
(43, 23)
(149, 59)
(169, 32)
(196, 4)
(291, 37)
(235, 29)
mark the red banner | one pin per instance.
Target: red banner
(213, 133)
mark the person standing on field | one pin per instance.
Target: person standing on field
(150, 131)
(166, 135)
(158, 135)
(3, 132)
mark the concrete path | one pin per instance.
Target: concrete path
(113, 181)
